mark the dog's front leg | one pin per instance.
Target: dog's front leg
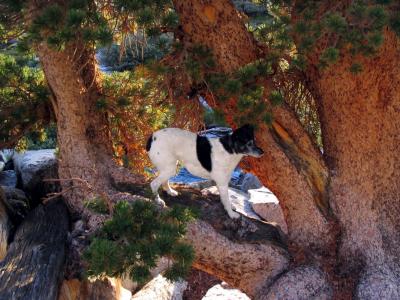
(224, 195)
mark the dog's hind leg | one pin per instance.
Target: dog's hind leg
(224, 195)
(161, 179)
(166, 172)
(168, 189)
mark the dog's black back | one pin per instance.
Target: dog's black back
(203, 151)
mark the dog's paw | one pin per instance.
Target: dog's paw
(159, 202)
(233, 215)
(172, 193)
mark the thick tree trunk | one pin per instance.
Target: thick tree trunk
(83, 131)
(33, 266)
(292, 167)
(348, 200)
(360, 118)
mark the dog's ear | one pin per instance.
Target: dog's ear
(246, 132)
(246, 128)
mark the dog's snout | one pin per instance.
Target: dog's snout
(256, 151)
(260, 151)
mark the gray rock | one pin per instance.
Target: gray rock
(17, 204)
(33, 167)
(240, 203)
(266, 205)
(198, 185)
(6, 159)
(8, 178)
(161, 288)
(249, 8)
(250, 182)
(305, 282)
(224, 292)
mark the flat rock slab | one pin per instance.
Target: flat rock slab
(240, 201)
(8, 178)
(161, 288)
(241, 204)
(224, 292)
(259, 204)
(266, 205)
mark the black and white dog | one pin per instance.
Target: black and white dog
(211, 158)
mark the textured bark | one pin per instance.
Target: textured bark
(247, 254)
(83, 131)
(4, 225)
(360, 118)
(204, 22)
(99, 289)
(345, 204)
(33, 266)
(292, 167)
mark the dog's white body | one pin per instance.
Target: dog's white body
(172, 144)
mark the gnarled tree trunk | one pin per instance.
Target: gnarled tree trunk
(292, 167)
(360, 119)
(342, 208)
(83, 131)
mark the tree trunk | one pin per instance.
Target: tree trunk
(83, 131)
(33, 266)
(86, 165)
(360, 119)
(247, 254)
(292, 167)
(342, 208)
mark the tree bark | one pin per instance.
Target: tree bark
(33, 266)
(247, 254)
(360, 119)
(83, 131)
(342, 208)
(292, 166)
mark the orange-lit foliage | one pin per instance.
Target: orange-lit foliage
(139, 103)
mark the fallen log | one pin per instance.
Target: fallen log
(33, 266)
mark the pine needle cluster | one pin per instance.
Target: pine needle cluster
(246, 84)
(24, 97)
(355, 27)
(136, 236)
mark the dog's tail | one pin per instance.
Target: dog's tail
(148, 144)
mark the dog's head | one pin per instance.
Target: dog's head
(244, 143)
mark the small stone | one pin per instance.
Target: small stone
(224, 292)
(8, 178)
(250, 182)
(78, 225)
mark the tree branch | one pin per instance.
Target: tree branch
(248, 254)
(292, 167)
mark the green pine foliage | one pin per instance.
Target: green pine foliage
(136, 236)
(245, 84)
(97, 204)
(356, 27)
(23, 92)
